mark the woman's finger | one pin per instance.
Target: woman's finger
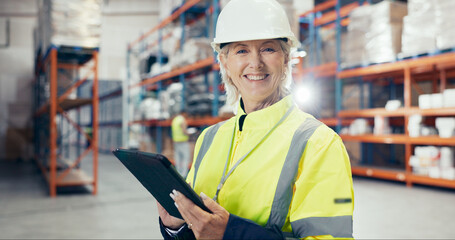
(193, 214)
(177, 197)
(193, 210)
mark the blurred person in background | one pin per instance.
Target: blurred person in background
(272, 171)
(180, 136)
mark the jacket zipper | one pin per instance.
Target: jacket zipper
(231, 162)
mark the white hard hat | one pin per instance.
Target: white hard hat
(244, 20)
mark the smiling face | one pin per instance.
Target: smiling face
(256, 68)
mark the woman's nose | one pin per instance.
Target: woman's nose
(256, 60)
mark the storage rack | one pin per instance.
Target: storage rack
(407, 72)
(328, 15)
(158, 82)
(51, 107)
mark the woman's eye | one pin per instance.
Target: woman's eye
(269, 50)
(241, 51)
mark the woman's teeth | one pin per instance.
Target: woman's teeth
(256, 77)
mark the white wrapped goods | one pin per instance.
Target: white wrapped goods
(70, 23)
(383, 40)
(445, 23)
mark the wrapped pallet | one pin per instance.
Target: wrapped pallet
(353, 52)
(69, 23)
(419, 28)
(445, 23)
(383, 40)
(328, 37)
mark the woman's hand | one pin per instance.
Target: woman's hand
(204, 225)
(168, 220)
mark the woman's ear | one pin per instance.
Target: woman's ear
(286, 60)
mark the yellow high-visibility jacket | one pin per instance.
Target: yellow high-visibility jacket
(298, 178)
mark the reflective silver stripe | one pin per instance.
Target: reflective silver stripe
(284, 190)
(208, 139)
(338, 227)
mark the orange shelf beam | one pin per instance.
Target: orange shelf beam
(387, 139)
(320, 7)
(151, 45)
(402, 112)
(190, 121)
(432, 140)
(205, 121)
(394, 175)
(324, 70)
(400, 176)
(372, 113)
(400, 139)
(332, 122)
(398, 66)
(168, 75)
(344, 22)
(432, 112)
(74, 178)
(332, 15)
(431, 181)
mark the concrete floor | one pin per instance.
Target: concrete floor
(124, 210)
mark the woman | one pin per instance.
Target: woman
(272, 171)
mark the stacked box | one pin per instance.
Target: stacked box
(353, 52)
(432, 161)
(328, 37)
(445, 23)
(419, 28)
(383, 40)
(69, 23)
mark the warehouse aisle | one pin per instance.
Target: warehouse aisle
(123, 209)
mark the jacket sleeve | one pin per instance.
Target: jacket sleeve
(323, 200)
(241, 228)
(183, 234)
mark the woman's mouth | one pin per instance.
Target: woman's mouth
(256, 77)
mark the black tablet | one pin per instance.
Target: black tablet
(159, 177)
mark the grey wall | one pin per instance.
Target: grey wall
(123, 21)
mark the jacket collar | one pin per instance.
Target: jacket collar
(264, 118)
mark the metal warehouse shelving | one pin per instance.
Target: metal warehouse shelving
(199, 65)
(405, 72)
(327, 15)
(436, 67)
(160, 81)
(51, 107)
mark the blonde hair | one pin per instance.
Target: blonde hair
(233, 94)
